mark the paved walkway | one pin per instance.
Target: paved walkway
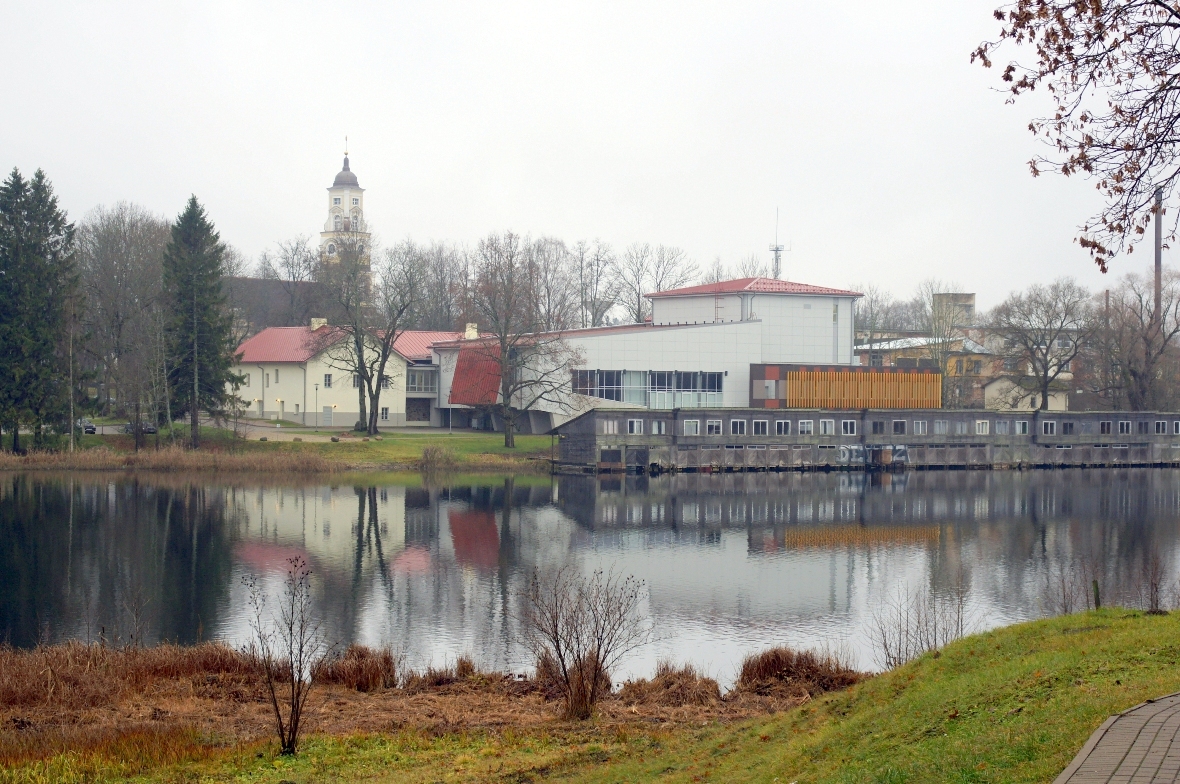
(1138, 745)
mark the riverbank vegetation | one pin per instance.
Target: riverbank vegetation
(1012, 705)
(428, 451)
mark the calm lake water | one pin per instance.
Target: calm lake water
(733, 563)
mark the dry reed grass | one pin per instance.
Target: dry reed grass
(672, 687)
(74, 675)
(787, 672)
(171, 458)
(361, 668)
(437, 459)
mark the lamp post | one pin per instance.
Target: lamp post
(317, 406)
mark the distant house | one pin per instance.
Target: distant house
(290, 374)
(1022, 393)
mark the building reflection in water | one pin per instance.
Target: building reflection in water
(733, 562)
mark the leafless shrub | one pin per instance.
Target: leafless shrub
(1151, 585)
(289, 649)
(362, 668)
(584, 626)
(672, 687)
(909, 624)
(1065, 590)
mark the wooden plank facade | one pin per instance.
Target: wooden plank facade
(843, 387)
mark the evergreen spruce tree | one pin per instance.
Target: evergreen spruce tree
(200, 338)
(37, 280)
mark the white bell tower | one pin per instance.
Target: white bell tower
(346, 214)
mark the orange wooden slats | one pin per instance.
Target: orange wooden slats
(851, 390)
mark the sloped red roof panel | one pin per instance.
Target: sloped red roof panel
(477, 376)
(282, 344)
(475, 537)
(415, 344)
(753, 286)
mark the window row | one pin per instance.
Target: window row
(647, 387)
(899, 427)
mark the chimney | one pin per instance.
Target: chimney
(472, 331)
(316, 323)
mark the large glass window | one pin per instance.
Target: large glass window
(424, 380)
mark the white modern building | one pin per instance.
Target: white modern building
(695, 352)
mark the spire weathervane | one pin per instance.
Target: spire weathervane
(346, 146)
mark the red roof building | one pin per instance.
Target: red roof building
(752, 286)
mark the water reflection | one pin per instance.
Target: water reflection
(733, 562)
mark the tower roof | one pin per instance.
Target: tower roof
(345, 178)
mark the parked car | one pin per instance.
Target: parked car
(147, 428)
(87, 427)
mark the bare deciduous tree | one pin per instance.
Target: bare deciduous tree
(671, 269)
(288, 648)
(582, 627)
(293, 265)
(1041, 331)
(1111, 71)
(715, 272)
(752, 266)
(873, 312)
(532, 366)
(911, 623)
(634, 278)
(1132, 349)
(555, 291)
(598, 289)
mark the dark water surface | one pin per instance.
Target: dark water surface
(734, 563)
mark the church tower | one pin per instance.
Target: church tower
(345, 228)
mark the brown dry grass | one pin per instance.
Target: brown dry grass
(789, 672)
(171, 458)
(171, 701)
(673, 687)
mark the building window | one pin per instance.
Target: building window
(940, 427)
(659, 427)
(1104, 428)
(737, 427)
(1063, 342)
(827, 427)
(276, 375)
(331, 249)
(960, 428)
(1175, 425)
(975, 367)
(336, 201)
(296, 409)
(876, 359)
(610, 427)
(267, 382)
(1141, 428)
(761, 427)
(1011, 365)
(1067, 428)
(338, 223)
(635, 427)
(1065, 366)
(327, 381)
(421, 381)
(848, 427)
(385, 382)
(1049, 428)
(982, 427)
(713, 427)
(356, 381)
(805, 427)
(1002, 427)
(919, 427)
(356, 202)
(1022, 428)
(783, 427)
(959, 366)
(899, 427)
(246, 380)
(878, 427)
(692, 427)
(384, 413)
(1124, 428)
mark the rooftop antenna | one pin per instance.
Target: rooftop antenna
(777, 249)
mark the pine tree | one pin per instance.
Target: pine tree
(37, 280)
(200, 337)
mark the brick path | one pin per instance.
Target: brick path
(1138, 745)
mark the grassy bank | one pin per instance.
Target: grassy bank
(1012, 705)
(220, 453)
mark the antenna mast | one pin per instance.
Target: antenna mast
(777, 249)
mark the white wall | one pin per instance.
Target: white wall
(295, 386)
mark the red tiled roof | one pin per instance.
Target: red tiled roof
(488, 337)
(477, 376)
(415, 344)
(754, 286)
(281, 344)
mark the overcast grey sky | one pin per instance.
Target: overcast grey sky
(890, 157)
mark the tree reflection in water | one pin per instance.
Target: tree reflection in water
(734, 562)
